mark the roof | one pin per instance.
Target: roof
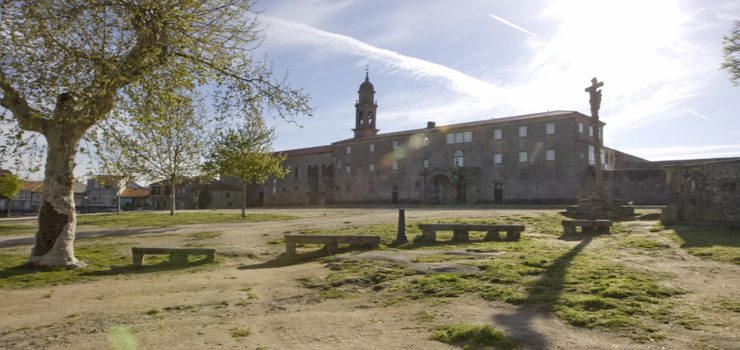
(306, 151)
(492, 121)
(220, 185)
(33, 186)
(135, 192)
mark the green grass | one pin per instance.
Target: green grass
(18, 229)
(105, 259)
(474, 337)
(714, 243)
(147, 219)
(240, 332)
(642, 242)
(583, 287)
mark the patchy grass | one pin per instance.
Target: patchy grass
(148, 219)
(424, 317)
(708, 242)
(241, 332)
(542, 223)
(205, 235)
(584, 288)
(474, 337)
(18, 228)
(349, 276)
(103, 260)
(643, 242)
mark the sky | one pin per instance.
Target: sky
(664, 96)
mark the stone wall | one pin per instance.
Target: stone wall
(706, 192)
(639, 186)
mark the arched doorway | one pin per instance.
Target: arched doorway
(441, 191)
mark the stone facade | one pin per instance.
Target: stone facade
(704, 192)
(538, 158)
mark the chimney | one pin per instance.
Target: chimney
(431, 125)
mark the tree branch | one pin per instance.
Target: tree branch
(28, 118)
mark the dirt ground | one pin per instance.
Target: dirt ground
(199, 309)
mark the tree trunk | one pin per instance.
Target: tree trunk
(244, 201)
(172, 197)
(54, 246)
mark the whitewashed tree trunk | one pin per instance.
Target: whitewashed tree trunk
(244, 200)
(173, 197)
(57, 218)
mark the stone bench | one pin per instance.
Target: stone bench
(177, 255)
(587, 226)
(460, 232)
(331, 242)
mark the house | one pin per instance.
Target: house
(133, 198)
(196, 194)
(102, 193)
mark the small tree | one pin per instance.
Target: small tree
(166, 143)
(10, 185)
(732, 53)
(246, 154)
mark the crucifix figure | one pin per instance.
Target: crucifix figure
(595, 96)
(595, 101)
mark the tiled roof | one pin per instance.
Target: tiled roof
(33, 186)
(135, 192)
(306, 151)
(471, 124)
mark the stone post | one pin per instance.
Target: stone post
(401, 234)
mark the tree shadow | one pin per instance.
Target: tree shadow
(544, 293)
(158, 267)
(283, 260)
(707, 236)
(91, 234)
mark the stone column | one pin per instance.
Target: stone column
(401, 234)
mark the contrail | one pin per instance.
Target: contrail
(702, 116)
(513, 25)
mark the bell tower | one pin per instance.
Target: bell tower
(365, 109)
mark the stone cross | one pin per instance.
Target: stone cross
(595, 101)
(595, 96)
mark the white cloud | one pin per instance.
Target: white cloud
(417, 68)
(684, 152)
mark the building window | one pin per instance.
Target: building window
(371, 167)
(522, 131)
(295, 174)
(395, 165)
(349, 149)
(580, 128)
(348, 169)
(550, 128)
(395, 144)
(550, 154)
(591, 159)
(497, 134)
(459, 159)
(590, 131)
(459, 137)
(347, 187)
(227, 195)
(372, 147)
(426, 140)
(522, 157)
(498, 158)
(426, 163)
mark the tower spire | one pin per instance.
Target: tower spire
(365, 109)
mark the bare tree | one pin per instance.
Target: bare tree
(65, 65)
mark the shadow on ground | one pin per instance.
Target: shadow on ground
(540, 300)
(92, 234)
(707, 236)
